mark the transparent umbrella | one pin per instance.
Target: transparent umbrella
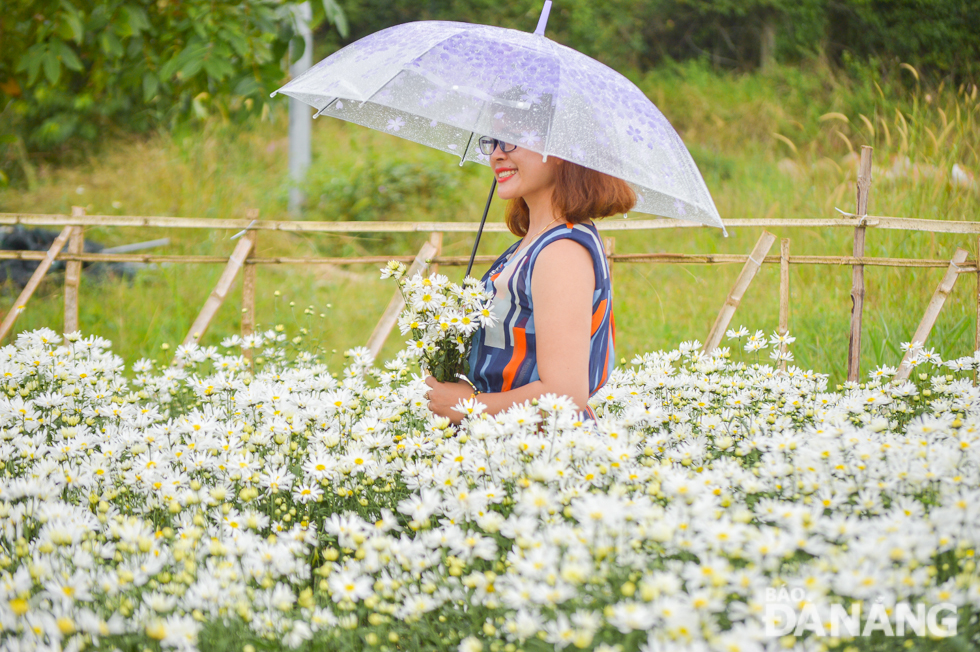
(444, 84)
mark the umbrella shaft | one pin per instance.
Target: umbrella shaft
(486, 209)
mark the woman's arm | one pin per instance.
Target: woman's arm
(562, 285)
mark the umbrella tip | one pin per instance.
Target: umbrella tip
(543, 20)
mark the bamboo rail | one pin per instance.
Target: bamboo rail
(245, 258)
(847, 221)
(459, 261)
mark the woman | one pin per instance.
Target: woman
(552, 295)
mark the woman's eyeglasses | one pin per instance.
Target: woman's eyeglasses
(488, 144)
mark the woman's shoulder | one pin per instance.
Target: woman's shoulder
(583, 233)
(564, 251)
(564, 263)
(569, 244)
(573, 245)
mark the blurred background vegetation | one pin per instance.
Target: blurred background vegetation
(162, 108)
(938, 35)
(76, 71)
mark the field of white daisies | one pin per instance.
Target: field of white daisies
(206, 505)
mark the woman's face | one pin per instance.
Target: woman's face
(522, 173)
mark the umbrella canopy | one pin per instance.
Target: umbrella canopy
(444, 84)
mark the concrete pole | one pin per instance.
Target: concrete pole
(300, 115)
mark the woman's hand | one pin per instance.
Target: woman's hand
(443, 397)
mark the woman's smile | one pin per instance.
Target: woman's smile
(505, 173)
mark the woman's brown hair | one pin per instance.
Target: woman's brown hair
(580, 194)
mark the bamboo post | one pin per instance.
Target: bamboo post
(73, 273)
(976, 341)
(34, 281)
(248, 296)
(857, 272)
(248, 286)
(217, 296)
(435, 239)
(610, 246)
(932, 312)
(745, 277)
(397, 303)
(783, 295)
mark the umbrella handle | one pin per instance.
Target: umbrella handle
(486, 209)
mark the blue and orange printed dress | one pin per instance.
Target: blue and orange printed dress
(504, 355)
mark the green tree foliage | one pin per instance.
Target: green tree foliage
(938, 36)
(935, 35)
(73, 68)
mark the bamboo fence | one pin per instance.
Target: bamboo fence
(249, 229)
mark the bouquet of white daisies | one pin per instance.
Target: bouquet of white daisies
(441, 317)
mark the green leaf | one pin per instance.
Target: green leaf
(138, 22)
(122, 24)
(297, 46)
(31, 62)
(191, 60)
(236, 40)
(73, 22)
(247, 86)
(218, 68)
(169, 67)
(110, 44)
(335, 14)
(52, 67)
(68, 56)
(150, 86)
(195, 61)
(279, 48)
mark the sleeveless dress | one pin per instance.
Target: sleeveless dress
(504, 355)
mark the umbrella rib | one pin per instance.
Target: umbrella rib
(463, 27)
(414, 57)
(554, 111)
(329, 104)
(466, 149)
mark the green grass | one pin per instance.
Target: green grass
(728, 122)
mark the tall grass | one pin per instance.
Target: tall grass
(781, 144)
